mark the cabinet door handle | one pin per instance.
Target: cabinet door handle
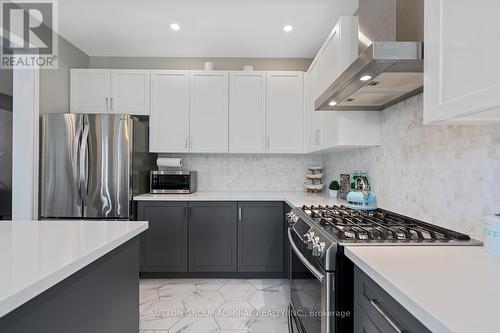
(239, 214)
(191, 142)
(186, 143)
(375, 303)
(111, 103)
(268, 142)
(264, 142)
(107, 108)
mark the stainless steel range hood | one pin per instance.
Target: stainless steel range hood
(389, 67)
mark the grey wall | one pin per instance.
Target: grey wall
(5, 142)
(6, 81)
(260, 64)
(54, 83)
(447, 175)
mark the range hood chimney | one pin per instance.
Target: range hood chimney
(389, 67)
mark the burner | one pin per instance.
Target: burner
(377, 225)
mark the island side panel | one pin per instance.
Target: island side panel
(100, 298)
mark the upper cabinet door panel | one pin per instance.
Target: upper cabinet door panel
(285, 112)
(247, 112)
(130, 91)
(89, 91)
(338, 51)
(169, 120)
(209, 112)
(329, 58)
(461, 64)
(314, 133)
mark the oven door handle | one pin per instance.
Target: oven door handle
(308, 265)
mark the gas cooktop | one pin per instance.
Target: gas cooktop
(347, 225)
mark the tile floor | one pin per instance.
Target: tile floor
(214, 305)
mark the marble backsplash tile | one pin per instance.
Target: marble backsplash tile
(445, 174)
(249, 172)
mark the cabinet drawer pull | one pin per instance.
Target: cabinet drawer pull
(375, 304)
(107, 108)
(239, 214)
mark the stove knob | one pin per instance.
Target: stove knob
(312, 242)
(308, 237)
(289, 216)
(318, 249)
(295, 218)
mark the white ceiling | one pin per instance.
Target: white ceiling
(209, 28)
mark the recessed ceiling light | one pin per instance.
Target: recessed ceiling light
(332, 103)
(287, 28)
(175, 26)
(366, 78)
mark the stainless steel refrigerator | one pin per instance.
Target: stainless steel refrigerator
(91, 165)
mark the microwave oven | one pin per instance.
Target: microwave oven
(180, 182)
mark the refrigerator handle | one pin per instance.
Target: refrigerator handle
(84, 164)
(76, 169)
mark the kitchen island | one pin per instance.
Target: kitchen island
(69, 276)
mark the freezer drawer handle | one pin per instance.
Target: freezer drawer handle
(306, 263)
(375, 303)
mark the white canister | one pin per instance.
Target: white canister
(209, 66)
(492, 235)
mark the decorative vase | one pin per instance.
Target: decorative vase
(333, 193)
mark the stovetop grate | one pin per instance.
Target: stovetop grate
(378, 225)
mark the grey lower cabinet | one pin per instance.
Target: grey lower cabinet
(261, 237)
(376, 311)
(208, 238)
(164, 246)
(212, 236)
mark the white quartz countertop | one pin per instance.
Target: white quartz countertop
(36, 255)
(295, 199)
(447, 288)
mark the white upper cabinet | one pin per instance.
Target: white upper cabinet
(130, 91)
(169, 120)
(337, 52)
(314, 119)
(333, 129)
(110, 91)
(90, 91)
(285, 112)
(247, 112)
(461, 67)
(209, 118)
(350, 129)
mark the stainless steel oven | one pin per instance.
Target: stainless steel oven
(312, 289)
(320, 280)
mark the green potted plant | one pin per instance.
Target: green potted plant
(334, 188)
